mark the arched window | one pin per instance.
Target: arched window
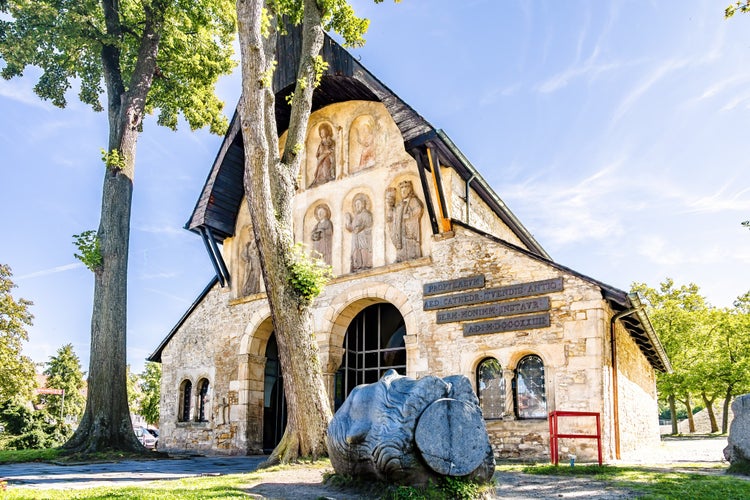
(202, 392)
(186, 390)
(531, 401)
(491, 388)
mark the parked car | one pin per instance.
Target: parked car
(155, 433)
(145, 437)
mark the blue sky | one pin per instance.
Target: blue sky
(617, 132)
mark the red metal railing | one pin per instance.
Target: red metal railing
(554, 435)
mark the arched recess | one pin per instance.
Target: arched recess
(351, 302)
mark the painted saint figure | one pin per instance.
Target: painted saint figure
(326, 156)
(405, 217)
(322, 234)
(252, 266)
(360, 225)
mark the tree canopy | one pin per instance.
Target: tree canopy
(74, 42)
(17, 374)
(64, 372)
(146, 56)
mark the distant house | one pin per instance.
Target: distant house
(434, 275)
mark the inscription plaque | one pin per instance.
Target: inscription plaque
(453, 285)
(507, 324)
(493, 294)
(494, 310)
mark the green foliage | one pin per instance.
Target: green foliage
(307, 275)
(25, 428)
(709, 347)
(739, 6)
(447, 487)
(17, 374)
(133, 388)
(90, 247)
(66, 38)
(113, 160)
(150, 386)
(64, 372)
(20, 456)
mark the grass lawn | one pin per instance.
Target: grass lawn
(654, 483)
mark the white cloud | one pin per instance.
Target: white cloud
(52, 270)
(662, 70)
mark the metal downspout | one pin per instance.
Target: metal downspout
(615, 392)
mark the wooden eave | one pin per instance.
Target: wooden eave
(344, 80)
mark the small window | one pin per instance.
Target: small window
(491, 388)
(186, 390)
(531, 401)
(202, 397)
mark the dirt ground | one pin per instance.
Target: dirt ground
(702, 455)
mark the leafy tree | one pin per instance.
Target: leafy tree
(150, 393)
(64, 372)
(17, 373)
(145, 55)
(134, 390)
(270, 185)
(678, 316)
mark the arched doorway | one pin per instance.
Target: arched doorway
(274, 402)
(374, 344)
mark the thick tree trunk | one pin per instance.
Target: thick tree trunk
(106, 423)
(106, 420)
(270, 184)
(710, 409)
(673, 414)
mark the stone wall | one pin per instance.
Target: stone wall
(224, 339)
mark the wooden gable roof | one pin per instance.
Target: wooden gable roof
(344, 80)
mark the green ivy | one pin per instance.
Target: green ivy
(88, 244)
(308, 275)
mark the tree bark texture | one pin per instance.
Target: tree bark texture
(709, 403)
(673, 414)
(106, 423)
(725, 409)
(270, 184)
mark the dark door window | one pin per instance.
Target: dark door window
(274, 402)
(374, 344)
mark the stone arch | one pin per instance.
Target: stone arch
(349, 303)
(258, 331)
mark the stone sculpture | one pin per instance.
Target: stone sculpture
(411, 431)
(326, 156)
(405, 217)
(737, 451)
(360, 225)
(322, 234)
(366, 140)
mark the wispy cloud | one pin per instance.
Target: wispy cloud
(581, 211)
(165, 229)
(722, 200)
(662, 70)
(20, 91)
(47, 272)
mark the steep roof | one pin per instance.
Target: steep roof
(344, 80)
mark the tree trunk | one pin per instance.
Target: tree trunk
(270, 184)
(673, 414)
(725, 410)
(710, 409)
(106, 423)
(689, 407)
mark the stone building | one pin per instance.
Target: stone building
(433, 275)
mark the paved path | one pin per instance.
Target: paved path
(127, 472)
(671, 453)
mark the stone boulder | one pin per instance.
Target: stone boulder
(737, 451)
(409, 431)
